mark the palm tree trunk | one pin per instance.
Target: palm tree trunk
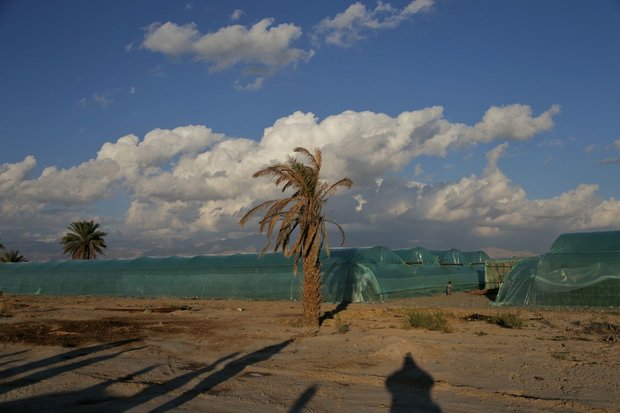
(311, 297)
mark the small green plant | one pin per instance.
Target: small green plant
(507, 320)
(435, 321)
(341, 326)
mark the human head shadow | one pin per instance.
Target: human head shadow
(303, 399)
(79, 352)
(230, 370)
(410, 388)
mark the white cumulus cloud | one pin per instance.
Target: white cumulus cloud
(512, 121)
(236, 14)
(360, 202)
(191, 185)
(11, 174)
(263, 45)
(170, 38)
(255, 85)
(103, 100)
(418, 170)
(351, 25)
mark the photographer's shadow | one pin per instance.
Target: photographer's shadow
(411, 389)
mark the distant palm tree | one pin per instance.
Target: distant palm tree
(300, 215)
(1, 246)
(84, 240)
(12, 256)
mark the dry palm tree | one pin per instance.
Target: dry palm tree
(12, 256)
(84, 240)
(301, 217)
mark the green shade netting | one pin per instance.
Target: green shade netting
(418, 255)
(380, 255)
(607, 241)
(438, 253)
(453, 257)
(581, 269)
(353, 274)
(476, 257)
(429, 280)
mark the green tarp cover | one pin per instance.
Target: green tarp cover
(476, 257)
(352, 274)
(607, 241)
(418, 255)
(581, 269)
(453, 257)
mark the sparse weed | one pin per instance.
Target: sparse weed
(507, 320)
(5, 309)
(481, 333)
(565, 355)
(607, 331)
(602, 328)
(436, 320)
(560, 355)
(341, 326)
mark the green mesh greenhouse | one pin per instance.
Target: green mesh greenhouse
(351, 274)
(580, 269)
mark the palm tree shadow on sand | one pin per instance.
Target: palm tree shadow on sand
(227, 372)
(303, 399)
(411, 389)
(97, 398)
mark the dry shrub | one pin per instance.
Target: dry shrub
(6, 309)
(507, 320)
(430, 320)
(341, 326)
(607, 331)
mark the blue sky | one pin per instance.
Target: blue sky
(480, 124)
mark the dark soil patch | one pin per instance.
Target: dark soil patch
(149, 310)
(69, 333)
(476, 317)
(506, 320)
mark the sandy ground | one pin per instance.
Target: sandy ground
(87, 354)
